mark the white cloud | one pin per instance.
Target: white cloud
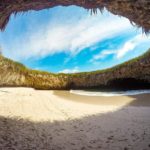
(102, 55)
(128, 46)
(74, 70)
(131, 45)
(69, 38)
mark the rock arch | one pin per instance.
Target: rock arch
(137, 11)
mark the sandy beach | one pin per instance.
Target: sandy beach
(58, 120)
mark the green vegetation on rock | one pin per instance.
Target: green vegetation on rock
(15, 74)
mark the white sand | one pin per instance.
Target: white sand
(58, 120)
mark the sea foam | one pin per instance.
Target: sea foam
(109, 94)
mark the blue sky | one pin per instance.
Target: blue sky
(70, 39)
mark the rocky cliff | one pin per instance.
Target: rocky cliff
(129, 75)
(134, 74)
(137, 11)
(14, 74)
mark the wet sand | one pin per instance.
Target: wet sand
(58, 120)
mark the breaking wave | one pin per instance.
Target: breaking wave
(109, 94)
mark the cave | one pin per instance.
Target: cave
(137, 11)
(128, 84)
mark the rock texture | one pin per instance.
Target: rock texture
(14, 74)
(137, 11)
(133, 74)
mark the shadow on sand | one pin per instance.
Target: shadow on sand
(119, 130)
(139, 100)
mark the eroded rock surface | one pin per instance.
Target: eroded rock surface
(137, 11)
(129, 75)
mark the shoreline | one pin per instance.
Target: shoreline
(140, 99)
(110, 93)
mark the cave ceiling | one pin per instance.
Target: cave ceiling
(137, 11)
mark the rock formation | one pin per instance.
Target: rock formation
(133, 74)
(137, 11)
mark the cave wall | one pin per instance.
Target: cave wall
(134, 74)
(137, 11)
(130, 75)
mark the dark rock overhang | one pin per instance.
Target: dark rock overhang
(137, 11)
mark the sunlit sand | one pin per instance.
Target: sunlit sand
(45, 120)
(39, 106)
